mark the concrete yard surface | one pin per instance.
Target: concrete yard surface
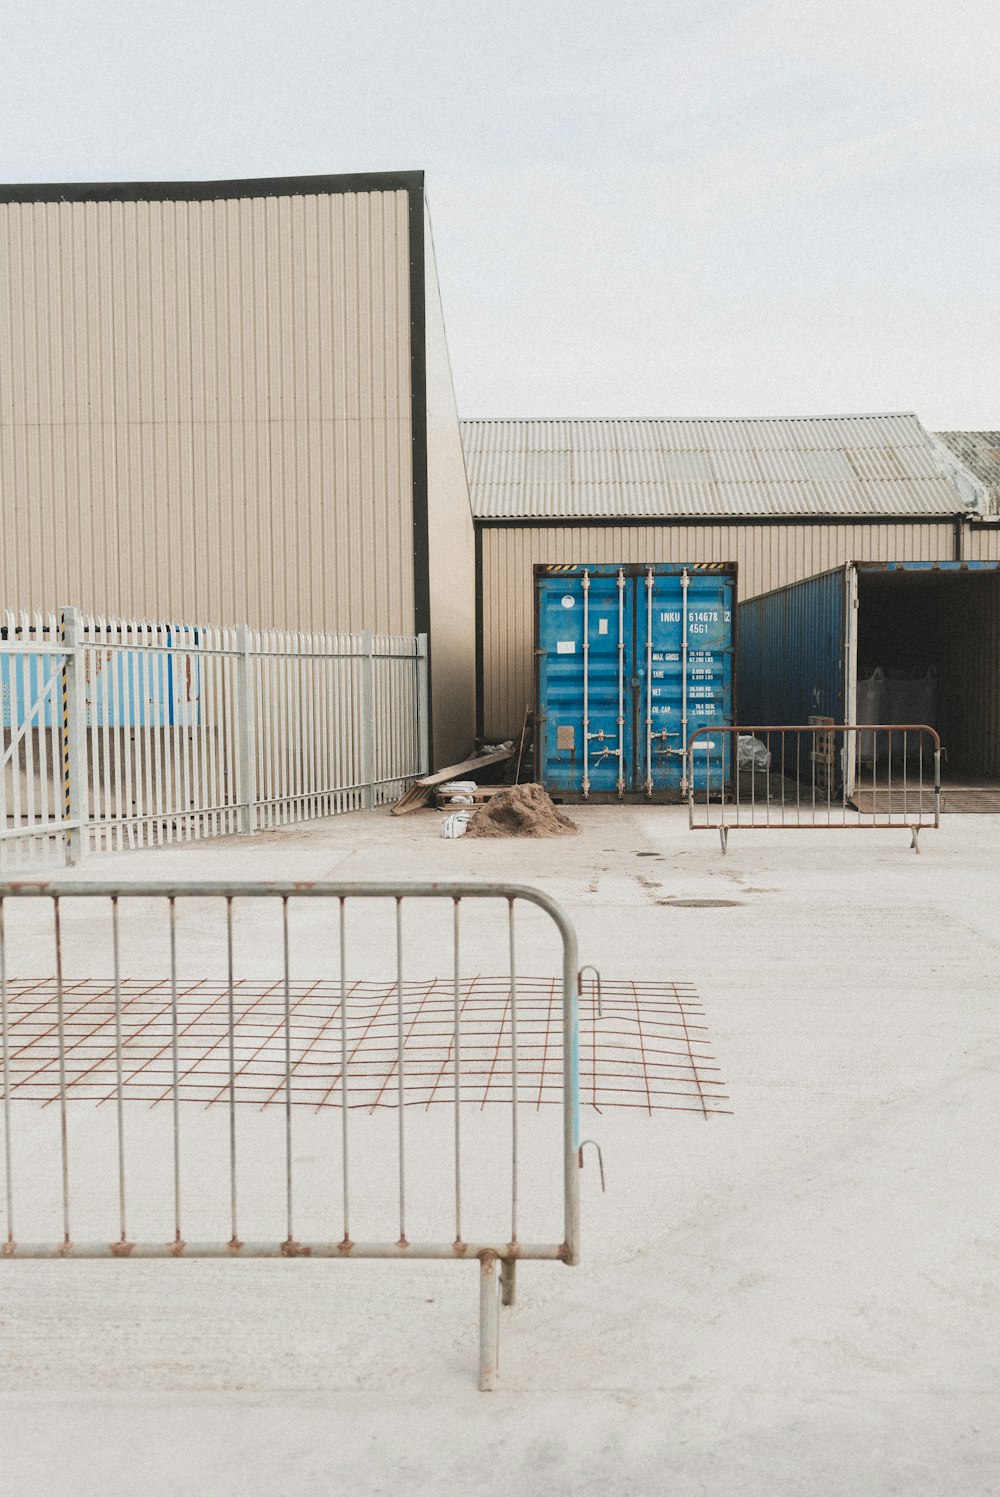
(800, 1296)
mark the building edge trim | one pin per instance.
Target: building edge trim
(418, 421)
(480, 637)
(238, 187)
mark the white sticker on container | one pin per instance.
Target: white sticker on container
(566, 647)
(602, 626)
(568, 601)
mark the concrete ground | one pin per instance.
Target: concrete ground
(799, 1298)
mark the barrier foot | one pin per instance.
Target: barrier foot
(489, 1323)
(915, 834)
(508, 1281)
(724, 838)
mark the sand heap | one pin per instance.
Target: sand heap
(520, 811)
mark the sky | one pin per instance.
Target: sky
(683, 208)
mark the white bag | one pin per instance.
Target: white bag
(455, 825)
(751, 753)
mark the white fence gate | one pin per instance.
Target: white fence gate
(122, 733)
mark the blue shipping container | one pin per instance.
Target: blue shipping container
(928, 629)
(631, 660)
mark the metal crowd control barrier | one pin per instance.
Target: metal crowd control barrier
(48, 940)
(814, 775)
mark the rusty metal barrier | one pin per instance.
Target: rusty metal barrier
(822, 774)
(157, 925)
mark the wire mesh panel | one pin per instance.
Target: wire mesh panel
(307, 1002)
(813, 775)
(643, 1045)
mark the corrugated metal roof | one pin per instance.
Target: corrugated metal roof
(972, 460)
(641, 469)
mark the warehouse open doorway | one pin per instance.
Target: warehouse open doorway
(927, 649)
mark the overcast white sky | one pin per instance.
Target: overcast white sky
(691, 207)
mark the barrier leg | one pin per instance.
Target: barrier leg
(489, 1323)
(724, 838)
(508, 1280)
(915, 834)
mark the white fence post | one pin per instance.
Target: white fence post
(246, 737)
(423, 712)
(74, 736)
(368, 719)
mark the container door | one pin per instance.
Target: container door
(850, 663)
(684, 630)
(585, 660)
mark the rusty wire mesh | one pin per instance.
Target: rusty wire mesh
(648, 1048)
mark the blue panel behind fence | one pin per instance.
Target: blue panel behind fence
(122, 687)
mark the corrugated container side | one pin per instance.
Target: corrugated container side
(792, 653)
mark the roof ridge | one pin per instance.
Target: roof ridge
(580, 420)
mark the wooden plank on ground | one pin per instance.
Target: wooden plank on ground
(420, 792)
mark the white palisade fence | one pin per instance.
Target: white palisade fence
(121, 733)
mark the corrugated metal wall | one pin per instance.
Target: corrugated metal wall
(767, 556)
(982, 543)
(205, 409)
(969, 681)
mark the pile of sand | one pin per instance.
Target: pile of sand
(520, 811)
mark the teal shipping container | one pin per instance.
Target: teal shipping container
(630, 661)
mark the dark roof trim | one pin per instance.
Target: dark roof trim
(200, 192)
(666, 522)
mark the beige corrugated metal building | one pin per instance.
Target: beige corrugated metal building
(231, 401)
(782, 499)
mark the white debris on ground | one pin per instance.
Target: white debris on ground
(751, 752)
(455, 825)
(459, 792)
(800, 1297)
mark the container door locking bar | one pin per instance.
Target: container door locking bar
(621, 683)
